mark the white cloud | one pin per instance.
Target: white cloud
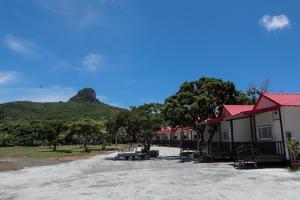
(43, 94)
(93, 62)
(102, 98)
(21, 46)
(7, 77)
(273, 23)
(36, 94)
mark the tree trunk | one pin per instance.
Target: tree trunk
(85, 145)
(54, 146)
(200, 133)
(103, 144)
(148, 146)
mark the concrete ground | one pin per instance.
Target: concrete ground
(166, 178)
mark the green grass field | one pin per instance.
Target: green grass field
(44, 152)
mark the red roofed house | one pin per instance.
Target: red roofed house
(176, 137)
(221, 142)
(254, 133)
(276, 117)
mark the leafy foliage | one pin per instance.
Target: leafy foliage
(201, 99)
(294, 147)
(88, 129)
(139, 123)
(54, 132)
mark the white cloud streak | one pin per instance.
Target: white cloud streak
(273, 23)
(7, 77)
(36, 94)
(93, 62)
(20, 46)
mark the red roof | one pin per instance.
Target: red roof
(179, 129)
(168, 129)
(237, 109)
(232, 110)
(284, 99)
(261, 110)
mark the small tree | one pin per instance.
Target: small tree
(101, 133)
(86, 129)
(147, 120)
(55, 132)
(294, 147)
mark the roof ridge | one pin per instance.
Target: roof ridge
(237, 105)
(280, 93)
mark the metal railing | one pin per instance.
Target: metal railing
(261, 150)
(258, 150)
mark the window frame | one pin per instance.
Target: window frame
(270, 133)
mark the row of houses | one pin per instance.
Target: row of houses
(250, 132)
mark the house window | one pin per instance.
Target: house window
(265, 133)
(225, 136)
(166, 137)
(185, 137)
(175, 137)
(195, 137)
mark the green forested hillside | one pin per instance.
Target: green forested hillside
(25, 110)
(65, 111)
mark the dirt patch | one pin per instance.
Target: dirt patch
(15, 163)
(7, 166)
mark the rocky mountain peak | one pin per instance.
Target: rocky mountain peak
(85, 95)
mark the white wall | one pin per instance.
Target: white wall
(166, 136)
(216, 137)
(190, 135)
(225, 126)
(291, 121)
(178, 134)
(206, 133)
(266, 119)
(242, 130)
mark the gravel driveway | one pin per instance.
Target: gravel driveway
(102, 178)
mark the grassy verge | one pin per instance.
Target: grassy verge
(45, 152)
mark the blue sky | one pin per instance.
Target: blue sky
(138, 51)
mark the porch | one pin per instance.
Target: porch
(261, 152)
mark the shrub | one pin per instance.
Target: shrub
(6, 140)
(153, 153)
(294, 147)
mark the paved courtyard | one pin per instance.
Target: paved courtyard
(166, 178)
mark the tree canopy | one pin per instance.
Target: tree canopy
(198, 100)
(139, 123)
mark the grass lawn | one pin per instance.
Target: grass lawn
(44, 152)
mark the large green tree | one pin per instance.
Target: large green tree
(87, 130)
(198, 100)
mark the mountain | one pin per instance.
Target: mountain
(84, 103)
(85, 95)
